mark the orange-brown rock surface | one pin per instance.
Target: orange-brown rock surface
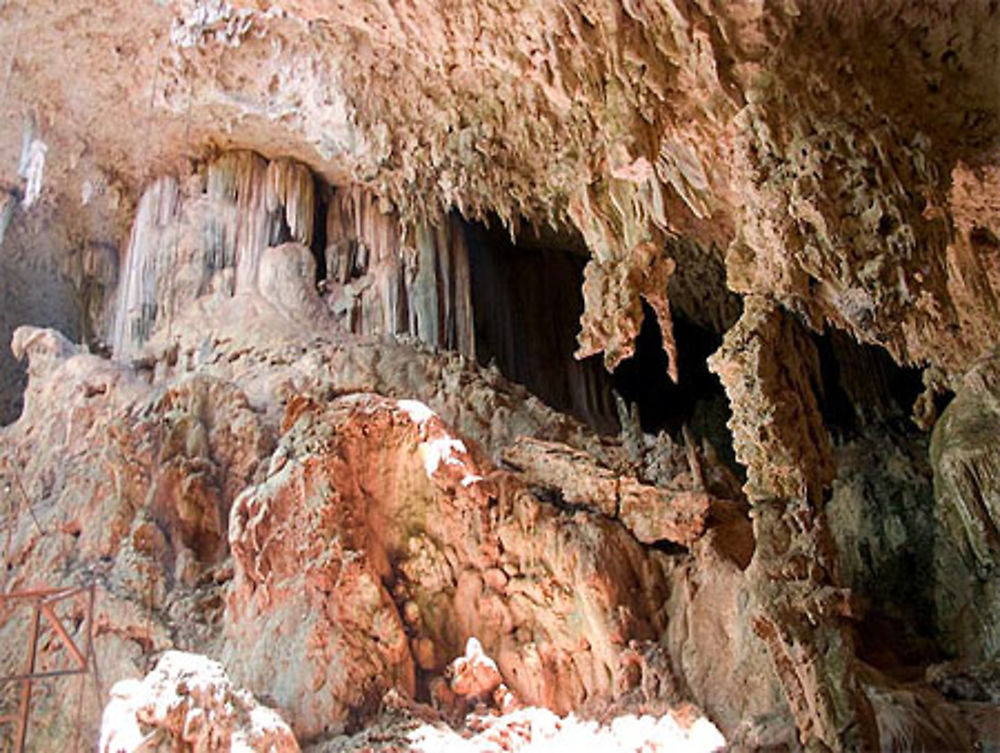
(378, 545)
(368, 540)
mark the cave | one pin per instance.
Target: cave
(696, 401)
(437, 376)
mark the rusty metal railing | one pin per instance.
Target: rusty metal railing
(42, 602)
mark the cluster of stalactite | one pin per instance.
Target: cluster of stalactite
(384, 277)
(378, 274)
(188, 243)
(389, 278)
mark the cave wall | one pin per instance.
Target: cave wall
(825, 164)
(50, 277)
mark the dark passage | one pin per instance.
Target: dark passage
(318, 245)
(527, 303)
(697, 401)
(862, 385)
(884, 485)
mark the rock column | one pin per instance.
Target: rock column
(769, 366)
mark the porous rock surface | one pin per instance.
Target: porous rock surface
(328, 544)
(188, 702)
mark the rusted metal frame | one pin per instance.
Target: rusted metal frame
(44, 598)
(60, 630)
(46, 675)
(25, 706)
(50, 594)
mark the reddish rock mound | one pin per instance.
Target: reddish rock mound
(379, 543)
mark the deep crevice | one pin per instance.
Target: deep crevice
(697, 401)
(318, 244)
(884, 485)
(527, 301)
(862, 385)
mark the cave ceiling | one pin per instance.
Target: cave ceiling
(834, 155)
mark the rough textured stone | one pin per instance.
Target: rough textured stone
(651, 513)
(831, 163)
(356, 516)
(964, 457)
(188, 702)
(371, 505)
(768, 367)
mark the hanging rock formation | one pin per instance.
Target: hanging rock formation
(767, 365)
(386, 278)
(207, 239)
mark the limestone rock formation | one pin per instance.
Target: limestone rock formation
(964, 456)
(294, 292)
(378, 545)
(368, 541)
(188, 702)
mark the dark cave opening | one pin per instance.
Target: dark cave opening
(318, 244)
(643, 378)
(697, 400)
(861, 385)
(527, 300)
(884, 486)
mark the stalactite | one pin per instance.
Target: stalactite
(423, 294)
(183, 247)
(7, 203)
(148, 262)
(384, 278)
(290, 188)
(237, 189)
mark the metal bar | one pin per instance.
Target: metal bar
(61, 594)
(63, 634)
(90, 621)
(48, 674)
(22, 725)
(43, 600)
(37, 593)
(26, 498)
